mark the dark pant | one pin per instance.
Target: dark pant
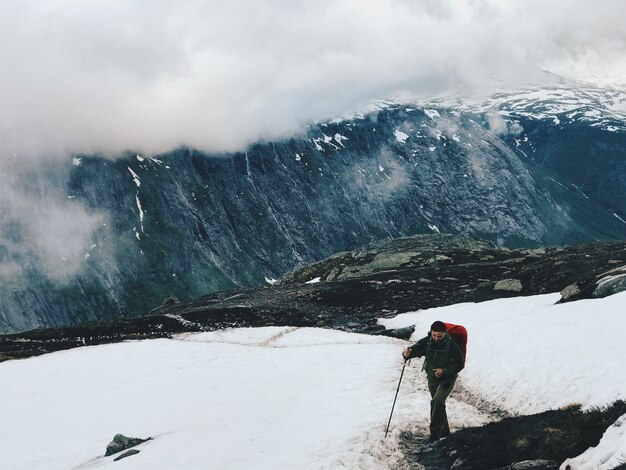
(439, 390)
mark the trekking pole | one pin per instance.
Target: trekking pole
(394, 400)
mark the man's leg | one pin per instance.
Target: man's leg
(438, 418)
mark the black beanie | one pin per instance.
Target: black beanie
(438, 326)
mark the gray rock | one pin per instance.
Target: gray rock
(126, 454)
(571, 292)
(400, 333)
(534, 464)
(611, 282)
(458, 463)
(121, 442)
(512, 285)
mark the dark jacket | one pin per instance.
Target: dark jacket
(445, 355)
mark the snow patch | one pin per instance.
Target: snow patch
(609, 453)
(339, 138)
(432, 113)
(135, 177)
(619, 218)
(400, 136)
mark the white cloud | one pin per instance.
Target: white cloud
(109, 76)
(499, 126)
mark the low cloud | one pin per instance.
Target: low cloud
(101, 76)
(502, 127)
(42, 229)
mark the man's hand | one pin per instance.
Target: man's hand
(438, 372)
(406, 353)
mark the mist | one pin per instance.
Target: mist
(101, 77)
(107, 77)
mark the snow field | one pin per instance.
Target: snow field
(248, 398)
(306, 398)
(527, 355)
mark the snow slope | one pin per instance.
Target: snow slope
(280, 397)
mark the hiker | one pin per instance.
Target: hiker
(443, 361)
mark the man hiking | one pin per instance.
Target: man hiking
(443, 361)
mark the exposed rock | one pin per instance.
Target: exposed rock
(515, 443)
(121, 442)
(400, 333)
(534, 465)
(126, 454)
(513, 285)
(171, 300)
(458, 463)
(611, 282)
(167, 302)
(571, 292)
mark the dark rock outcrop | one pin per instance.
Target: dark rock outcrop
(611, 282)
(470, 272)
(536, 441)
(121, 442)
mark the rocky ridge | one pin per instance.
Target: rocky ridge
(351, 290)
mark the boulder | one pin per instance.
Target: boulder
(121, 442)
(611, 282)
(571, 292)
(400, 333)
(511, 285)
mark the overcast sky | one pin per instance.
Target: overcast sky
(88, 75)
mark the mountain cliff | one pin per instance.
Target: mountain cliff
(188, 223)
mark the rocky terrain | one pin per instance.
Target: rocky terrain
(350, 290)
(538, 442)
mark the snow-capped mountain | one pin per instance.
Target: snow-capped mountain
(510, 169)
(563, 104)
(575, 130)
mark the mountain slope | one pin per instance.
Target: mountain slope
(186, 223)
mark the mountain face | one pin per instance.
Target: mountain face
(575, 132)
(187, 223)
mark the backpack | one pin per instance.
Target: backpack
(458, 333)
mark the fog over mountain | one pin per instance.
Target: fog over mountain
(103, 76)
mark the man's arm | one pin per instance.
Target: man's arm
(417, 350)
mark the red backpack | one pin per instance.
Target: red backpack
(458, 333)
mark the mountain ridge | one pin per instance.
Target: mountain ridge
(383, 278)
